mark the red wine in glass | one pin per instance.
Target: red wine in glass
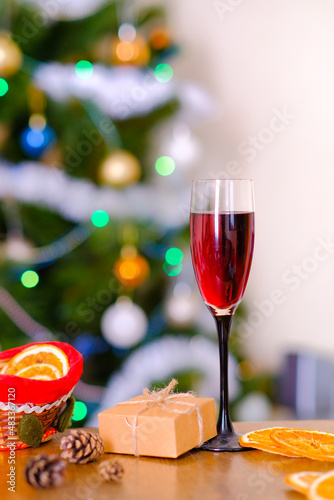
(222, 250)
(222, 242)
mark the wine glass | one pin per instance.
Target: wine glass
(222, 242)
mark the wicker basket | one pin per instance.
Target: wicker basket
(45, 410)
(46, 414)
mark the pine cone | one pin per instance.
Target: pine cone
(44, 471)
(111, 471)
(81, 446)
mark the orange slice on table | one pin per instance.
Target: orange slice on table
(261, 440)
(306, 443)
(322, 488)
(41, 361)
(301, 481)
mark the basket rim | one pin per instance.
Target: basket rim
(31, 407)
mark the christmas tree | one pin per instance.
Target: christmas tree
(94, 197)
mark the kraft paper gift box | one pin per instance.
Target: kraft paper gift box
(170, 429)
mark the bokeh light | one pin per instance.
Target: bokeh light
(29, 279)
(80, 411)
(172, 270)
(35, 138)
(34, 141)
(37, 121)
(3, 87)
(163, 73)
(100, 218)
(125, 51)
(245, 371)
(126, 32)
(129, 270)
(174, 256)
(165, 165)
(84, 69)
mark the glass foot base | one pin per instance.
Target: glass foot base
(224, 442)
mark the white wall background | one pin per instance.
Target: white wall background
(259, 58)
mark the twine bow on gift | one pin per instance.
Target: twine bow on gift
(164, 399)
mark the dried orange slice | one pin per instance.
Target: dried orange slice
(301, 481)
(322, 488)
(306, 443)
(262, 440)
(3, 364)
(41, 361)
(38, 370)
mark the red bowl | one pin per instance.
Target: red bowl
(38, 392)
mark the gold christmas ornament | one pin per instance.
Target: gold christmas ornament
(119, 169)
(10, 55)
(131, 269)
(136, 52)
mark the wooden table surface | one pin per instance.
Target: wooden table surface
(197, 475)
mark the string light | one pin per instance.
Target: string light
(160, 38)
(125, 51)
(84, 69)
(131, 269)
(3, 87)
(37, 121)
(100, 218)
(165, 165)
(130, 47)
(173, 261)
(80, 411)
(174, 256)
(127, 32)
(172, 270)
(29, 279)
(163, 73)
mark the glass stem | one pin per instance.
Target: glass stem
(224, 424)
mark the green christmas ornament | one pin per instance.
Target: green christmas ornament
(64, 419)
(30, 430)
